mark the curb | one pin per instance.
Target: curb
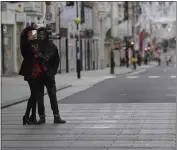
(9, 104)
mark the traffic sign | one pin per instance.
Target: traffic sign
(48, 16)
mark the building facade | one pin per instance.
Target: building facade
(88, 44)
(13, 21)
(101, 26)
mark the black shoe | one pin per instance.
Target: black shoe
(33, 119)
(41, 120)
(58, 120)
(26, 120)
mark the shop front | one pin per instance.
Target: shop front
(7, 49)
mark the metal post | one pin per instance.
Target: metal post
(112, 62)
(59, 17)
(77, 44)
(176, 91)
(126, 40)
(133, 28)
(2, 46)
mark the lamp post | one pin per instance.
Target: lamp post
(133, 35)
(77, 21)
(58, 30)
(176, 96)
(127, 39)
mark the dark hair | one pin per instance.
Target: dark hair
(45, 30)
(24, 37)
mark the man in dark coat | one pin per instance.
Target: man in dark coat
(49, 66)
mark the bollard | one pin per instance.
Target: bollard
(112, 62)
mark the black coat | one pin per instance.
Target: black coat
(50, 58)
(50, 54)
(27, 52)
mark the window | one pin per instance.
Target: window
(88, 17)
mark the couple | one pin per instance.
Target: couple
(39, 67)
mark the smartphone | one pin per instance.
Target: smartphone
(34, 32)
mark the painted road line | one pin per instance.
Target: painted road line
(173, 77)
(132, 77)
(109, 77)
(137, 72)
(171, 95)
(153, 77)
(171, 88)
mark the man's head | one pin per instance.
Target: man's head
(42, 34)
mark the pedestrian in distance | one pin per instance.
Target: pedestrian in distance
(28, 44)
(49, 68)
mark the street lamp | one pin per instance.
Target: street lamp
(77, 21)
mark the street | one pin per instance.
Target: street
(133, 111)
(157, 85)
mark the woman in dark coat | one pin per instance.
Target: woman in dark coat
(28, 70)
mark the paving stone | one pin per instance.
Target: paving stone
(38, 144)
(85, 137)
(21, 148)
(130, 131)
(158, 126)
(29, 137)
(101, 130)
(127, 137)
(133, 126)
(90, 144)
(35, 132)
(156, 137)
(154, 144)
(149, 148)
(157, 131)
(122, 144)
(70, 148)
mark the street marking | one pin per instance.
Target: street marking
(171, 88)
(109, 77)
(173, 77)
(138, 72)
(122, 94)
(132, 77)
(153, 77)
(171, 95)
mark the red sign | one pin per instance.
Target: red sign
(132, 43)
(117, 46)
(158, 51)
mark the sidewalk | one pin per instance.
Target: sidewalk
(149, 126)
(16, 90)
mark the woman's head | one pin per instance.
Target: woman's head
(26, 36)
(27, 33)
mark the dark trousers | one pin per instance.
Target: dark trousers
(31, 105)
(51, 89)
